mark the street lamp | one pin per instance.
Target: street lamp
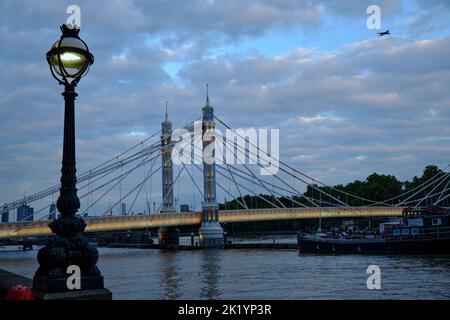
(69, 60)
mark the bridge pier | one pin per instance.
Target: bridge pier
(169, 236)
(210, 232)
(211, 235)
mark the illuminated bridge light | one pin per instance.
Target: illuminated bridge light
(110, 223)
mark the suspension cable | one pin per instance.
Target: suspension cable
(422, 189)
(312, 179)
(426, 197)
(284, 182)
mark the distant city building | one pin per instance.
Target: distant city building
(184, 208)
(25, 213)
(124, 209)
(5, 215)
(52, 212)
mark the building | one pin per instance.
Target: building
(184, 208)
(5, 215)
(52, 212)
(124, 209)
(25, 213)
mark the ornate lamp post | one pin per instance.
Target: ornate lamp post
(69, 60)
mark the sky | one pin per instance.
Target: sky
(347, 102)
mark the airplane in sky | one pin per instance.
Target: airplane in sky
(384, 33)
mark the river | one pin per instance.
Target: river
(256, 274)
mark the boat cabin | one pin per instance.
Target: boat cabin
(418, 222)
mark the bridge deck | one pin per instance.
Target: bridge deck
(110, 223)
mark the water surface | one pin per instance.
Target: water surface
(257, 274)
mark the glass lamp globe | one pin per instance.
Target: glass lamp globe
(69, 57)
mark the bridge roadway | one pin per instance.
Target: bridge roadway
(111, 223)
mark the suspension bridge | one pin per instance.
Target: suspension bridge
(282, 193)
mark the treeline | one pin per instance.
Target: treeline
(376, 187)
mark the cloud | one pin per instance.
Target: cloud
(343, 112)
(355, 8)
(321, 118)
(361, 157)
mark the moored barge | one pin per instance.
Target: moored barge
(418, 231)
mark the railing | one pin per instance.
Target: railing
(423, 233)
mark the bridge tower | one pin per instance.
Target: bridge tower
(211, 233)
(167, 235)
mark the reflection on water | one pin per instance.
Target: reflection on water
(170, 279)
(173, 279)
(257, 274)
(209, 272)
